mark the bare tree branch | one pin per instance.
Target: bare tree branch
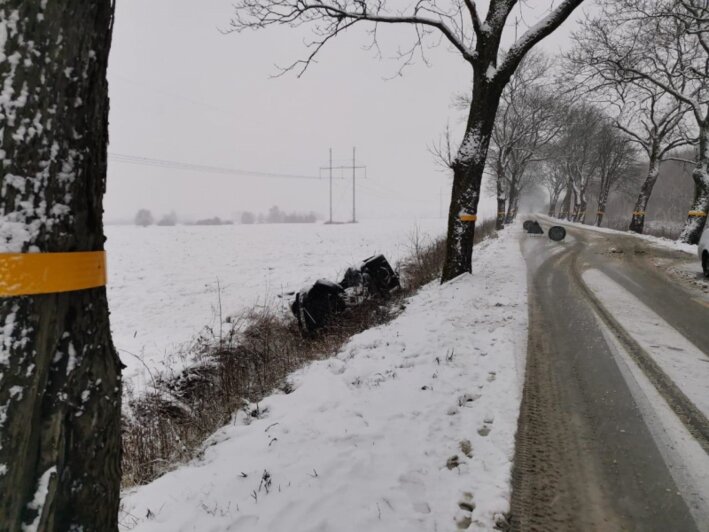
(535, 34)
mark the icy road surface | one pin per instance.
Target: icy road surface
(613, 432)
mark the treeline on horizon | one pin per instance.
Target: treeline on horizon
(275, 215)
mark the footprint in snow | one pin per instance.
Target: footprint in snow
(485, 429)
(467, 398)
(453, 462)
(464, 517)
(491, 376)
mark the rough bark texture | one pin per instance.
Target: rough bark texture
(467, 176)
(500, 221)
(513, 199)
(580, 203)
(501, 195)
(512, 207)
(697, 218)
(637, 223)
(579, 210)
(602, 200)
(60, 387)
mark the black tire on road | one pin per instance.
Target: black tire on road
(557, 233)
(526, 224)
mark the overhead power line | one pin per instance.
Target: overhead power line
(354, 169)
(178, 165)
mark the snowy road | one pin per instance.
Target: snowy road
(613, 431)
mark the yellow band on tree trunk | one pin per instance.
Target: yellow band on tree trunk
(698, 214)
(24, 274)
(468, 217)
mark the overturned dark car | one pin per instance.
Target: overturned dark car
(315, 306)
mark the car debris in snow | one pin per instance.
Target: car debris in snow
(557, 233)
(533, 228)
(315, 306)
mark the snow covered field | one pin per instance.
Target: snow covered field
(409, 428)
(163, 280)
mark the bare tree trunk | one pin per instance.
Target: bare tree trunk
(500, 221)
(468, 171)
(512, 209)
(577, 207)
(581, 215)
(602, 201)
(60, 386)
(697, 217)
(552, 208)
(512, 203)
(637, 223)
(553, 201)
(501, 197)
(565, 213)
(600, 213)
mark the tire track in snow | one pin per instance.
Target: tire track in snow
(690, 415)
(586, 459)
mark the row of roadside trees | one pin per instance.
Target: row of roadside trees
(545, 136)
(631, 95)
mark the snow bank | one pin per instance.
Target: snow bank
(410, 427)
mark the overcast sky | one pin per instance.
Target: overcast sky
(182, 91)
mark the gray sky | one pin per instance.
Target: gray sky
(182, 91)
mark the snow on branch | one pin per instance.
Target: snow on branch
(535, 34)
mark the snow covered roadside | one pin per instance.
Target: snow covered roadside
(410, 427)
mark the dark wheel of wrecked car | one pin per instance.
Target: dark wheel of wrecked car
(527, 224)
(705, 264)
(557, 233)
